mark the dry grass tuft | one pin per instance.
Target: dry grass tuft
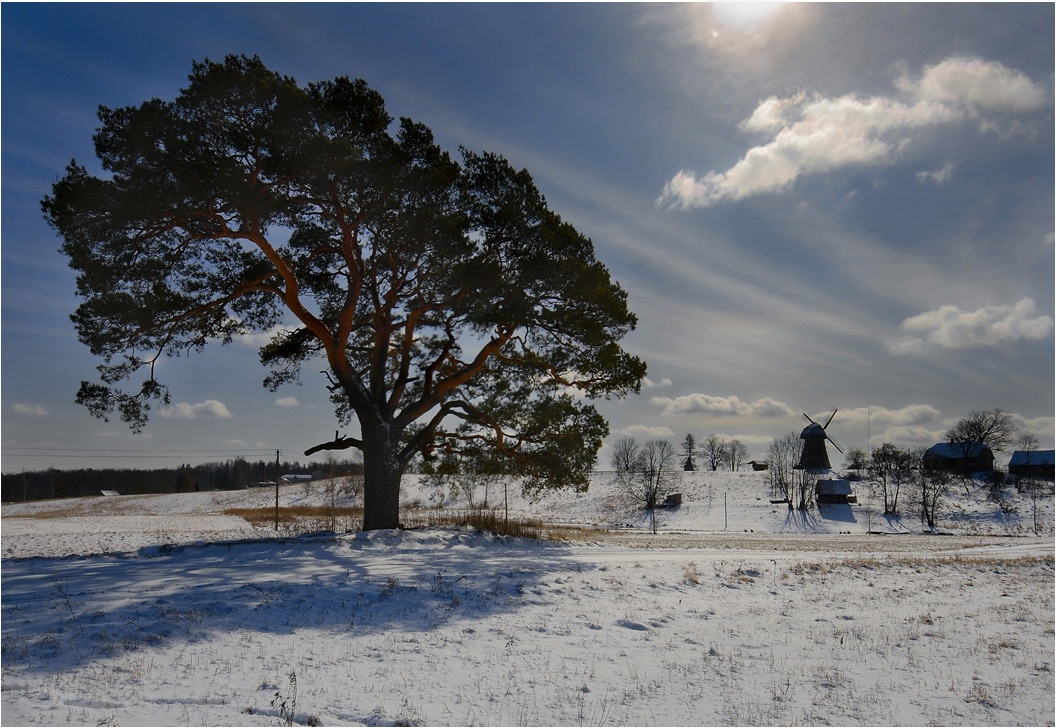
(493, 520)
(294, 514)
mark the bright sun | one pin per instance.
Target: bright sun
(743, 14)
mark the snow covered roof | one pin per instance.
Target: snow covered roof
(834, 487)
(1032, 457)
(955, 450)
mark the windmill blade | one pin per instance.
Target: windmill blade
(833, 443)
(834, 411)
(810, 420)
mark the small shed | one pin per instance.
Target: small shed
(834, 491)
(1033, 464)
(759, 465)
(960, 458)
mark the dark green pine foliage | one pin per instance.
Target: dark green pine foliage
(452, 311)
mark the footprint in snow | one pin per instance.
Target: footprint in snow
(631, 625)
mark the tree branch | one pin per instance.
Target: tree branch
(338, 443)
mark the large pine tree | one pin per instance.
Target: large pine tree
(451, 309)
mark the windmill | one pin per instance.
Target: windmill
(815, 457)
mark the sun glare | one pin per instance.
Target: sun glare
(744, 14)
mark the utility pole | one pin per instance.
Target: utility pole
(868, 423)
(277, 466)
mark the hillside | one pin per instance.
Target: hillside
(713, 502)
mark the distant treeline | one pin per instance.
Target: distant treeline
(228, 475)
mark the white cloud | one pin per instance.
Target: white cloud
(1044, 427)
(691, 404)
(950, 328)
(977, 85)
(648, 383)
(287, 402)
(813, 134)
(645, 431)
(187, 411)
(914, 415)
(124, 434)
(939, 176)
(30, 409)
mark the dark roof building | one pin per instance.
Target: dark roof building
(959, 457)
(1033, 464)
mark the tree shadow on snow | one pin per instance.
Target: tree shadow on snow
(65, 612)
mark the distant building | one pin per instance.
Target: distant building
(759, 464)
(291, 478)
(834, 491)
(1033, 464)
(959, 458)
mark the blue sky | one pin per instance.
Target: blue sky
(810, 206)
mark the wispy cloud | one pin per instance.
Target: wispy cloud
(949, 327)
(939, 176)
(813, 134)
(692, 404)
(913, 415)
(645, 431)
(30, 409)
(187, 411)
(287, 402)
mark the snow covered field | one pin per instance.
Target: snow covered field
(161, 610)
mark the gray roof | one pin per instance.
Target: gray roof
(955, 450)
(1032, 457)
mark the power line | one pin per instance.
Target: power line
(114, 456)
(133, 450)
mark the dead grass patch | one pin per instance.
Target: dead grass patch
(294, 514)
(58, 513)
(494, 521)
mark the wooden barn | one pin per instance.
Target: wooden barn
(834, 491)
(960, 458)
(1033, 464)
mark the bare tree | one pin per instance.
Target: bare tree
(934, 484)
(991, 428)
(780, 459)
(1028, 442)
(625, 454)
(655, 472)
(713, 450)
(803, 488)
(736, 454)
(857, 460)
(890, 469)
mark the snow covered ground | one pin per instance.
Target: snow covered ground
(161, 610)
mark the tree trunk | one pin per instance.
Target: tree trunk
(381, 478)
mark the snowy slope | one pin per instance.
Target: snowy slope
(713, 502)
(449, 627)
(161, 610)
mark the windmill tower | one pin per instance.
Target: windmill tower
(814, 456)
